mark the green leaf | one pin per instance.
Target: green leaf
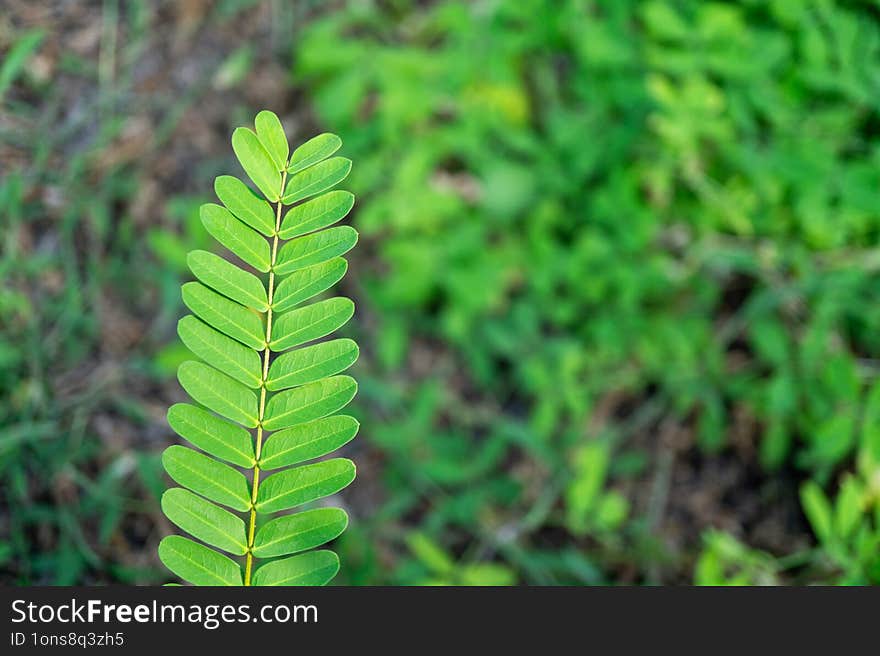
(236, 236)
(205, 521)
(310, 322)
(271, 135)
(431, 554)
(315, 179)
(225, 315)
(305, 530)
(314, 249)
(244, 203)
(850, 507)
(317, 213)
(817, 508)
(311, 363)
(206, 476)
(486, 574)
(304, 284)
(313, 568)
(313, 151)
(291, 397)
(219, 392)
(256, 162)
(197, 563)
(294, 487)
(307, 441)
(16, 57)
(309, 402)
(228, 279)
(221, 351)
(220, 438)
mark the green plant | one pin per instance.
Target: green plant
(727, 561)
(588, 506)
(608, 213)
(607, 226)
(847, 527)
(435, 566)
(272, 404)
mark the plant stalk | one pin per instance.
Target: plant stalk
(249, 558)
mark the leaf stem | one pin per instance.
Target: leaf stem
(249, 560)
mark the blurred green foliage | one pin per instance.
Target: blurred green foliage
(583, 222)
(679, 201)
(81, 479)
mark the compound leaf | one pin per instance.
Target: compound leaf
(293, 487)
(242, 385)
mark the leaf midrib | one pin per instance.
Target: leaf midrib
(251, 536)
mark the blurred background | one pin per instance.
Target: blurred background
(618, 282)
